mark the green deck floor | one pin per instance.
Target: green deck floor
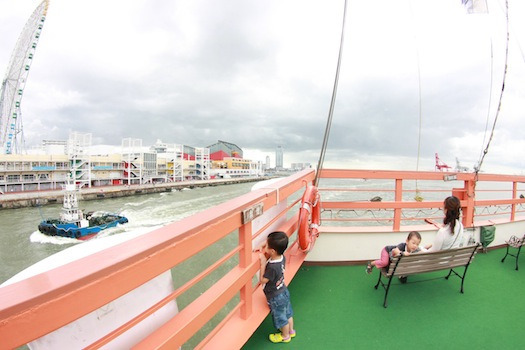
(337, 307)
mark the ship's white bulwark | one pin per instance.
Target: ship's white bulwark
(360, 244)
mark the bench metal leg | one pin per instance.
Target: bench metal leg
(463, 278)
(386, 292)
(516, 256)
(466, 268)
(455, 273)
(387, 288)
(378, 280)
(502, 260)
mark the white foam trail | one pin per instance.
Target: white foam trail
(39, 237)
(138, 204)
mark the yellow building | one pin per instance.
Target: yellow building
(235, 167)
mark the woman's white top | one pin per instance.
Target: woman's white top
(445, 240)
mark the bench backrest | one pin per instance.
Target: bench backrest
(516, 242)
(435, 261)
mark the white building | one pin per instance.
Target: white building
(279, 154)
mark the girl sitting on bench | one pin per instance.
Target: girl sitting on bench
(409, 247)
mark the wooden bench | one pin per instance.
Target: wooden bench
(427, 262)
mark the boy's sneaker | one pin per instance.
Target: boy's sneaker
(278, 338)
(369, 268)
(292, 335)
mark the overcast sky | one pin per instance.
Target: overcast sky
(260, 74)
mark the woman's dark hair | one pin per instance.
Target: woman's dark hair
(453, 209)
(278, 241)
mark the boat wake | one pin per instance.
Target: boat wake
(168, 207)
(142, 203)
(39, 237)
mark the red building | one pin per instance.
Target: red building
(223, 149)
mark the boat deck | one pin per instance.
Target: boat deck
(337, 307)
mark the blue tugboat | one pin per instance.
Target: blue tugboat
(74, 224)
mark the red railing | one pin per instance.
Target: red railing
(41, 304)
(400, 187)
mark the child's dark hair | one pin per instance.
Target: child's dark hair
(412, 234)
(278, 241)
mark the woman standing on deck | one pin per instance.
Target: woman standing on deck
(451, 234)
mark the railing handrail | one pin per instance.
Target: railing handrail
(466, 194)
(415, 175)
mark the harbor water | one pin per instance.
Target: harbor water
(21, 245)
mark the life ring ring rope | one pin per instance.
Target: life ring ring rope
(309, 218)
(308, 207)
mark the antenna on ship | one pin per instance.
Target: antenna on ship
(12, 90)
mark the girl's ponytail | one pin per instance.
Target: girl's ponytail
(453, 210)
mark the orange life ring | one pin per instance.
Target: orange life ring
(309, 218)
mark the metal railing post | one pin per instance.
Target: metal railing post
(245, 259)
(398, 198)
(514, 196)
(468, 211)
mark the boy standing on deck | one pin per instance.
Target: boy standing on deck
(277, 295)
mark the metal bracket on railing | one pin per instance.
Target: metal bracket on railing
(273, 188)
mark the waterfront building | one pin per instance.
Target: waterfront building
(132, 159)
(24, 172)
(279, 155)
(202, 163)
(133, 165)
(175, 163)
(181, 162)
(79, 159)
(300, 166)
(227, 162)
(160, 147)
(222, 149)
(107, 170)
(38, 172)
(54, 146)
(230, 167)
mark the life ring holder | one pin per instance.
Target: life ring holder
(309, 218)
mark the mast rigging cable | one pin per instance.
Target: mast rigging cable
(332, 103)
(478, 168)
